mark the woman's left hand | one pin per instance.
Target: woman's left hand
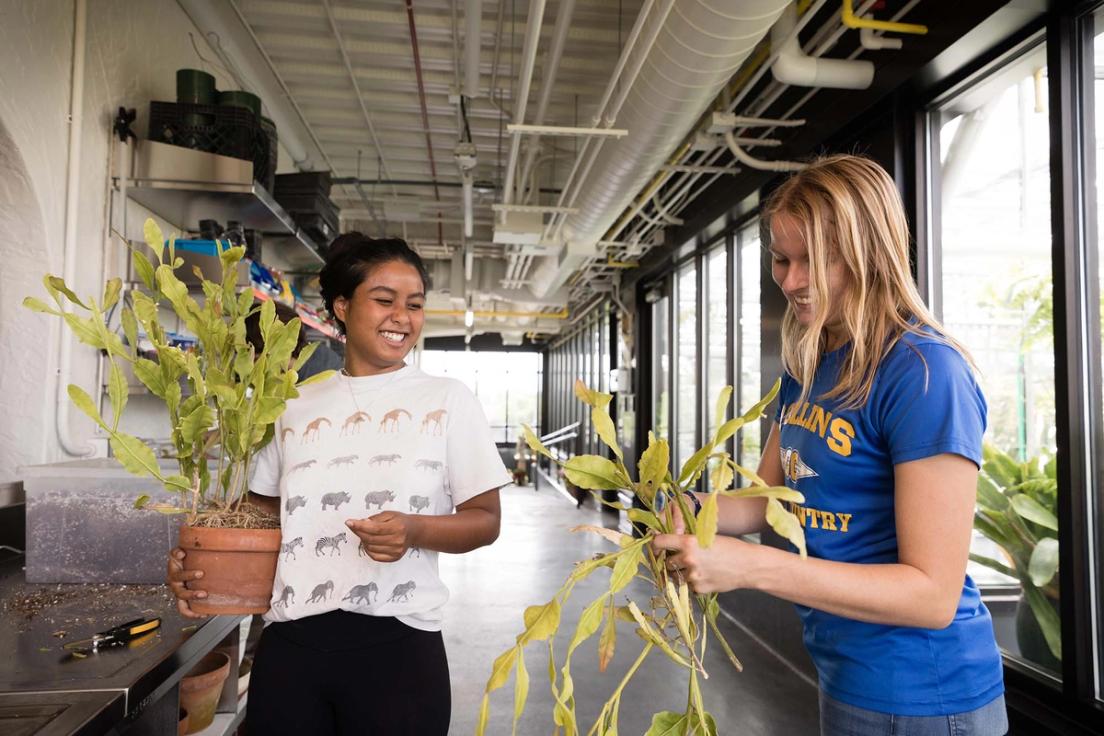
(720, 567)
(387, 536)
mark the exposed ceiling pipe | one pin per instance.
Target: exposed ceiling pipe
(696, 52)
(473, 21)
(69, 253)
(569, 186)
(525, 78)
(363, 106)
(602, 116)
(876, 43)
(666, 216)
(551, 68)
(757, 163)
(792, 66)
(425, 112)
(820, 48)
(823, 41)
(467, 189)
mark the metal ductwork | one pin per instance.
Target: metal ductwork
(701, 45)
(448, 278)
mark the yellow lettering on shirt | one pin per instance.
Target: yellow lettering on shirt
(818, 420)
(841, 433)
(828, 521)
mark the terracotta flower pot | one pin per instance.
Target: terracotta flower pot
(238, 567)
(200, 690)
(182, 728)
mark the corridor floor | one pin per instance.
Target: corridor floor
(533, 556)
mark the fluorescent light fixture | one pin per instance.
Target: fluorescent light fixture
(469, 318)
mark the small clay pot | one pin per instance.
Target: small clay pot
(182, 727)
(200, 690)
(238, 567)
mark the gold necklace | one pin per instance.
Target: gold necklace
(352, 393)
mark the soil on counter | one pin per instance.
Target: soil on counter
(68, 609)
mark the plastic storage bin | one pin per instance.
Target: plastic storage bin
(82, 526)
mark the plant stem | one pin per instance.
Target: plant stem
(624, 681)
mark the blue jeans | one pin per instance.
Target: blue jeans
(841, 719)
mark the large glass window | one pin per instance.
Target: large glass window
(716, 330)
(749, 377)
(508, 385)
(995, 287)
(661, 368)
(686, 374)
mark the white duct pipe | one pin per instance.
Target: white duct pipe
(473, 21)
(238, 42)
(870, 41)
(551, 68)
(793, 66)
(466, 182)
(757, 163)
(528, 58)
(698, 49)
(69, 254)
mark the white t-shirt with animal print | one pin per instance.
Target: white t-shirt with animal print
(408, 442)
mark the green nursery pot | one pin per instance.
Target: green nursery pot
(240, 98)
(195, 87)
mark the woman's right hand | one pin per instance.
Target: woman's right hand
(177, 579)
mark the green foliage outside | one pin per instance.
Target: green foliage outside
(1016, 508)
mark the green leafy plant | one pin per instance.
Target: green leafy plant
(1016, 504)
(233, 394)
(674, 621)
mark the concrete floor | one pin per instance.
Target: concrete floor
(531, 559)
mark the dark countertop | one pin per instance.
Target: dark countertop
(46, 691)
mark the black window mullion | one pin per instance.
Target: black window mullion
(734, 299)
(1068, 57)
(701, 362)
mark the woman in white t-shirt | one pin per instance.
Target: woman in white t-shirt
(374, 471)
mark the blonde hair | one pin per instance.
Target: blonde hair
(847, 210)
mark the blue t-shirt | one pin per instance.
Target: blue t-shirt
(842, 461)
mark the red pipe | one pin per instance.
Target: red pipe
(425, 111)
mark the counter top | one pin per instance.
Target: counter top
(42, 683)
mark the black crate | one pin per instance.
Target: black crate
(318, 227)
(265, 155)
(221, 129)
(314, 202)
(304, 182)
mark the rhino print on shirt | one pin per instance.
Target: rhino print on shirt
(378, 498)
(335, 499)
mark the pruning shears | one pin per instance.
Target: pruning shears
(122, 634)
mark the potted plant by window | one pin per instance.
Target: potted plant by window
(222, 398)
(1016, 504)
(673, 620)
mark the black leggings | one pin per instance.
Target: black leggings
(345, 673)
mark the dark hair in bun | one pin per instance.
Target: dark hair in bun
(352, 256)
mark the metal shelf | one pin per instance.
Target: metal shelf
(185, 203)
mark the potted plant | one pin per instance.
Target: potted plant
(673, 621)
(1016, 505)
(222, 398)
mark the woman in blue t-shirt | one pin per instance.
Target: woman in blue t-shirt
(879, 425)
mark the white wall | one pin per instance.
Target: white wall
(133, 50)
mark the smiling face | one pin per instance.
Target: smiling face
(790, 268)
(383, 318)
